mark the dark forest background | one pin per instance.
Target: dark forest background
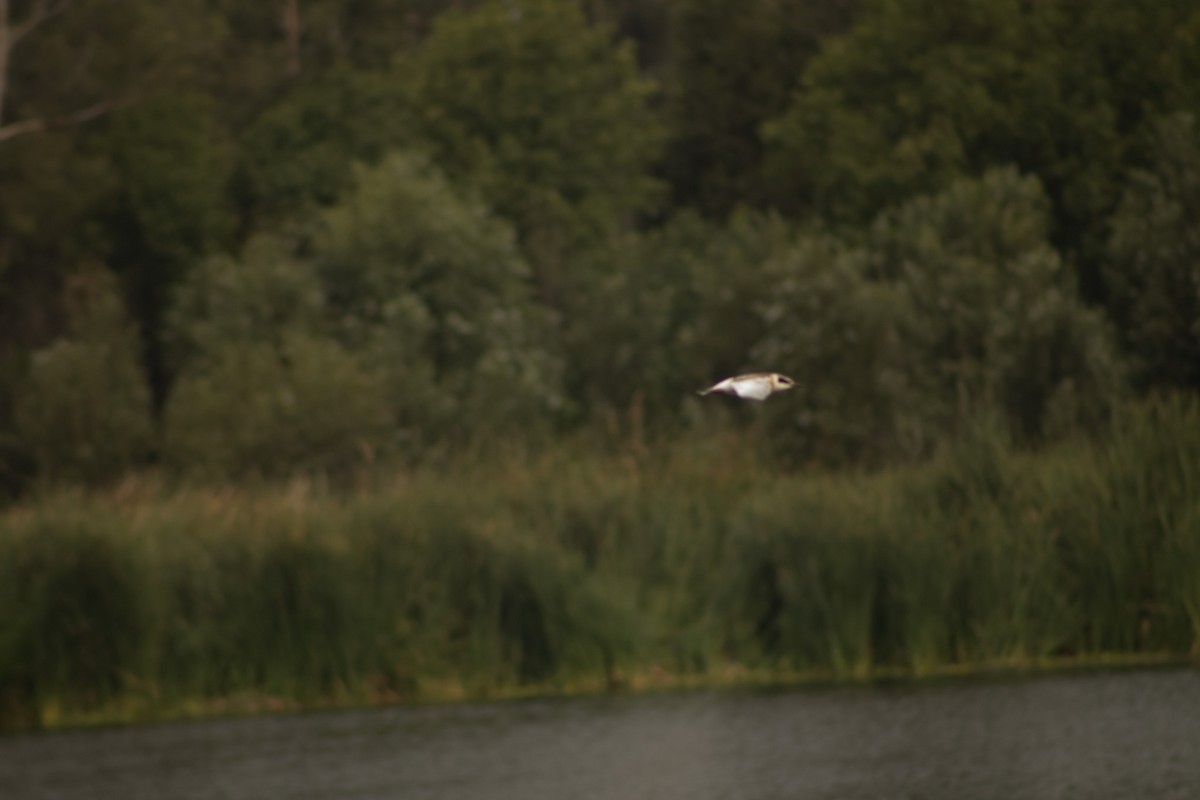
(306, 236)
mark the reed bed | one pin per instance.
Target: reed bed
(693, 562)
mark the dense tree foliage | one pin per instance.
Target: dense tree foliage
(296, 156)
(545, 114)
(733, 65)
(432, 289)
(315, 234)
(83, 410)
(1154, 274)
(922, 92)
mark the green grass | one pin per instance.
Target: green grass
(571, 571)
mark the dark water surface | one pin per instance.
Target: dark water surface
(1109, 735)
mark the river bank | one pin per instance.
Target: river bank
(573, 572)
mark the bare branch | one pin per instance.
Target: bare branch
(11, 33)
(36, 124)
(42, 10)
(24, 126)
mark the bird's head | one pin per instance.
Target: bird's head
(781, 383)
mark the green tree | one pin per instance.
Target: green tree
(659, 313)
(366, 33)
(170, 206)
(997, 320)
(273, 45)
(300, 405)
(955, 308)
(433, 291)
(897, 106)
(844, 337)
(84, 410)
(51, 188)
(732, 66)
(263, 295)
(646, 23)
(65, 63)
(65, 68)
(262, 390)
(296, 155)
(1153, 270)
(545, 114)
(1106, 71)
(920, 93)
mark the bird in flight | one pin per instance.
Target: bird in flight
(754, 386)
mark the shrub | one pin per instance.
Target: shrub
(253, 408)
(996, 320)
(85, 410)
(430, 289)
(1152, 275)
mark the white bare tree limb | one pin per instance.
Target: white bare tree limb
(35, 124)
(11, 33)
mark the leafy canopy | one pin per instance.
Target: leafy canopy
(544, 113)
(433, 290)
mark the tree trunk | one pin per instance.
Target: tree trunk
(291, 36)
(4, 48)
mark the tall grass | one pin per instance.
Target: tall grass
(573, 570)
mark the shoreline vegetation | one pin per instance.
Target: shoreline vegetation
(694, 563)
(143, 709)
(354, 361)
